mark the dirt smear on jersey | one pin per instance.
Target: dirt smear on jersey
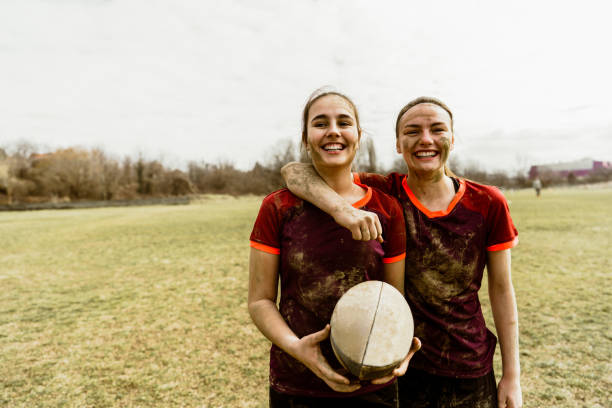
(440, 276)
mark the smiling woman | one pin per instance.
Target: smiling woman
(317, 262)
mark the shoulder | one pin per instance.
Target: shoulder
(483, 194)
(389, 184)
(279, 204)
(490, 202)
(282, 198)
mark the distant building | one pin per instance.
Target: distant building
(579, 168)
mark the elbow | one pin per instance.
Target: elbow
(257, 307)
(286, 170)
(252, 309)
(251, 306)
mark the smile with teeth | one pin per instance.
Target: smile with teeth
(426, 154)
(333, 147)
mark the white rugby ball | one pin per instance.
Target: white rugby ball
(371, 329)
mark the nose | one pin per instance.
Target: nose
(426, 137)
(333, 129)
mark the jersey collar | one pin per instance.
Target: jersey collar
(434, 214)
(363, 201)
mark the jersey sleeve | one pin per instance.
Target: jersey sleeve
(501, 233)
(266, 231)
(394, 243)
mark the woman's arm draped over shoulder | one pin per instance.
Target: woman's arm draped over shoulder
(303, 180)
(505, 315)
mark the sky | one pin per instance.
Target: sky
(225, 81)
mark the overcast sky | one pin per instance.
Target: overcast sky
(528, 81)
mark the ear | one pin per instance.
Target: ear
(397, 145)
(452, 141)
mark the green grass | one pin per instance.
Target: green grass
(141, 307)
(562, 275)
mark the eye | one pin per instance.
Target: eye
(319, 124)
(346, 123)
(439, 130)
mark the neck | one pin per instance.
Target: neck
(430, 185)
(340, 180)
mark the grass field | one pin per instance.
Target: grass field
(146, 306)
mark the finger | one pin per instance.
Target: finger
(372, 228)
(344, 387)
(383, 380)
(365, 233)
(374, 234)
(501, 399)
(510, 403)
(416, 346)
(401, 369)
(356, 232)
(379, 230)
(319, 336)
(330, 375)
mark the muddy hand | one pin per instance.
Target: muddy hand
(364, 225)
(308, 351)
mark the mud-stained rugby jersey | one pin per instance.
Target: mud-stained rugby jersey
(446, 253)
(319, 261)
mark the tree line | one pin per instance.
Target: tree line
(77, 174)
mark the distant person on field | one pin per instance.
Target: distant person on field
(317, 261)
(454, 228)
(537, 185)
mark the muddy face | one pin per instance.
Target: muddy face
(446, 148)
(425, 139)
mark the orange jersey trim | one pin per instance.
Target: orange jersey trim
(504, 245)
(394, 259)
(434, 214)
(356, 178)
(363, 201)
(265, 248)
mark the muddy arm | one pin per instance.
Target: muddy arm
(303, 180)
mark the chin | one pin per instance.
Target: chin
(426, 169)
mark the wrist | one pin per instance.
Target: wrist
(292, 348)
(511, 375)
(341, 209)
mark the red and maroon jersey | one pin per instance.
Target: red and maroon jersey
(446, 253)
(319, 261)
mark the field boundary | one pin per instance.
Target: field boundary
(95, 204)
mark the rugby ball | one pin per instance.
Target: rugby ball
(371, 329)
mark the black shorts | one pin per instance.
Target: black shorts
(383, 398)
(418, 389)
